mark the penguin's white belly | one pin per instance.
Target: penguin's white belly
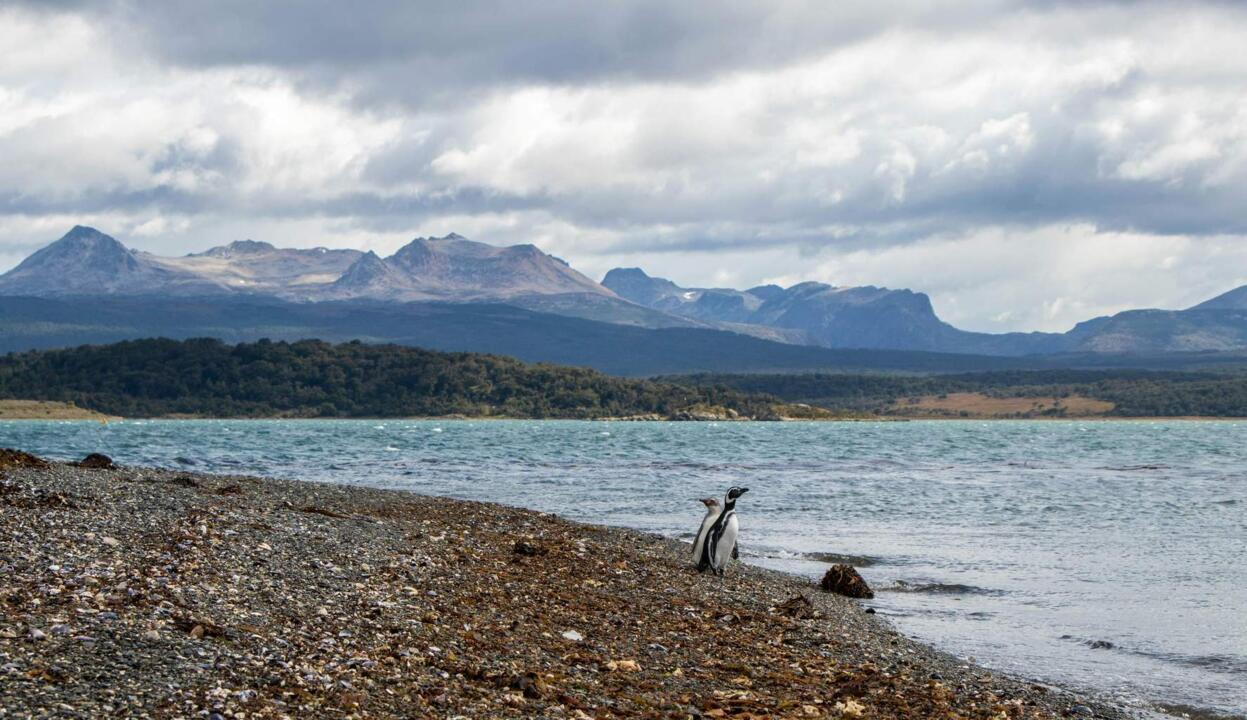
(722, 551)
(706, 524)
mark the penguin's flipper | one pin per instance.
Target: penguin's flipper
(736, 552)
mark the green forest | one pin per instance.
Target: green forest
(208, 378)
(311, 378)
(1134, 393)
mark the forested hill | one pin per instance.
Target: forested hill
(152, 378)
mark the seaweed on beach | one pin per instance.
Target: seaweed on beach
(18, 496)
(18, 459)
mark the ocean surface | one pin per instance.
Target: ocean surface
(1110, 556)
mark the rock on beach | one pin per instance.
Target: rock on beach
(96, 461)
(845, 580)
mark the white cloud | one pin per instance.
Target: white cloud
(1028, 167)
(217, 137)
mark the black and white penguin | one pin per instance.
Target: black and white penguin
(712, 514)
(720, 542)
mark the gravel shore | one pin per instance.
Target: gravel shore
(134, 592)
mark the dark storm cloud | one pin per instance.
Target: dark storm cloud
(395, 210)
(416, 53)
(160, 199)
(376, 209)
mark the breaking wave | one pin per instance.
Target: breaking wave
(902, 586)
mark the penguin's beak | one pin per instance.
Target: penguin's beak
(744, 490)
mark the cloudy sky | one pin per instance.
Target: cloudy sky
(1027, 164)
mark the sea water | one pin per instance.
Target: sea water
(1109, 556)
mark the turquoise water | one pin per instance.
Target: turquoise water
(1107, 555)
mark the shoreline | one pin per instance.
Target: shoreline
(55, 410)
(384, 602)
(11, 409)
(105, 419)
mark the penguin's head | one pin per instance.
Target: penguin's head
(710, 502)
(735, 492)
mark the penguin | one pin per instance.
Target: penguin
(712, 513)
(720, 541)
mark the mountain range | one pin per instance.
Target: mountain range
(453, 276)
(87, 262)
(871, 317)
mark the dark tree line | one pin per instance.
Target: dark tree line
(152, 378)
(1134, 393)
(203, 377)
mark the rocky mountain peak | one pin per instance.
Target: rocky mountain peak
(766, 292)
(85, 235)
(85, 261)
(368, 265)
(84, 241)
(82, 249)
(635, 285)
(626, 274)
(1235, 299)
(370, 277)
(240, 247)
(454, 266)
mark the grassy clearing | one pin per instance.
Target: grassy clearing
(973, 404)
(47, 410)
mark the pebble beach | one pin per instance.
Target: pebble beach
(135, 592)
